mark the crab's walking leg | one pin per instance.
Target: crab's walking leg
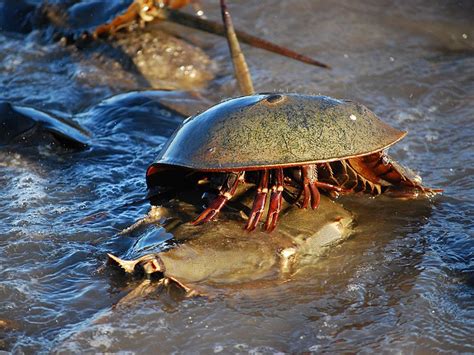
(275, 201)
(259, 201)
(225, 194)
(330, 187)
(310, 188)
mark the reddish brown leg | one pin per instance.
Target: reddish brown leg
(315, 195)
(259, 201)
(225, 194)
(330, 187)
(310, 188)
(275, 201)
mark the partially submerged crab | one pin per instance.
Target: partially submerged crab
(142, 12)
(220, 256)
(27, 125)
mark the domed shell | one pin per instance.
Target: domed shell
(271, 130)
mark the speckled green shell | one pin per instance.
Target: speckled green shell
(270, 130)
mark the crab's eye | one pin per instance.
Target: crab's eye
(274, 99)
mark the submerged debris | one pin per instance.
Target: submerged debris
(26, 126)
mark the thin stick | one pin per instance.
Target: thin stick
(241, 69)
(205, 25)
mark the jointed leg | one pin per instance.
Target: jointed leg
(310, 189)
(275, 201)
(259, 201)
(225, 194)
(329, 187)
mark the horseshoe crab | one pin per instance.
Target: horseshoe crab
(288, 145)
(216, 256)
(280, 142)
(142, 12)
(26, 125)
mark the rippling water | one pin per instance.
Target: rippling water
(403, 282)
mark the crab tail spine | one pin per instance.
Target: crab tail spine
(127, 265)
(241, 69)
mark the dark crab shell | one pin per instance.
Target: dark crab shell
(275, 130)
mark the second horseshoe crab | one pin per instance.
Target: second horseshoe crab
(220, 256)
(26, 125)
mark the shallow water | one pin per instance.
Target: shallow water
(403, 282)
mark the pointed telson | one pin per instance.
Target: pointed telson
(241, 69)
